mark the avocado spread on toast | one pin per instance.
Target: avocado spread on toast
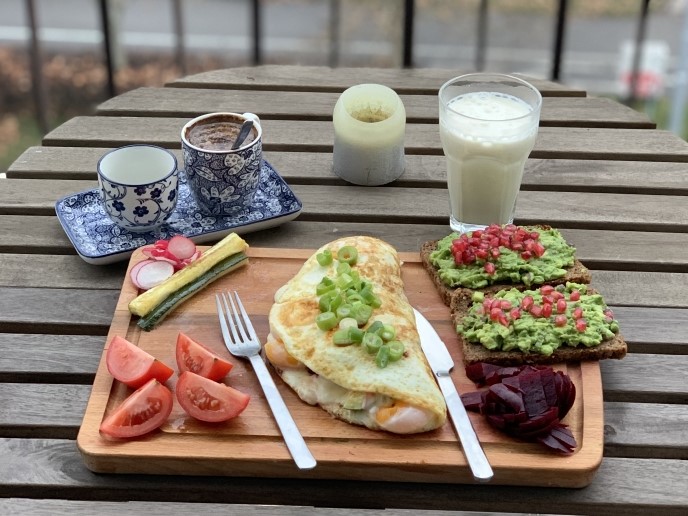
(514, 320)
(509, 266)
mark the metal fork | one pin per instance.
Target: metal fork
(241, 340)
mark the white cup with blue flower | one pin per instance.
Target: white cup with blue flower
(138, 186)
(223, 180)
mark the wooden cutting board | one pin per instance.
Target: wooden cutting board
(251, 445)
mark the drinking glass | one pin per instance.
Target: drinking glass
(488, 126)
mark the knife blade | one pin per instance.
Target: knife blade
(441, 364)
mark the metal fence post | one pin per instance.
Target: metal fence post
(407, 58)
(107, 47)
(37, 89)
(178, 17)
(256, 31)
(481, 42)
(559, 40)
(638, 51)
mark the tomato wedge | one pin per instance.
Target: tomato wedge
(195, 357)
(207, 400)
(142, 412)
(133, 366)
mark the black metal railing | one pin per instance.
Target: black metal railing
(256, 23)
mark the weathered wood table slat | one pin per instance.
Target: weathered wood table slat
(615, 185)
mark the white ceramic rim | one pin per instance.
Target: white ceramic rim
(256, 123)
(156, 147)
(389, 120)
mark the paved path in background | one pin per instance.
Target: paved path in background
(297, 32)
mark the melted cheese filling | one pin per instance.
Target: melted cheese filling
(363, 408)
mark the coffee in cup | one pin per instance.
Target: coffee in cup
(222, 180)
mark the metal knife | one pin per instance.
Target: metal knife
(441, 364)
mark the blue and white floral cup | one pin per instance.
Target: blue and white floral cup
(138, 186)
(223, 181)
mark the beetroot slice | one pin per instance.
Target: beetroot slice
(527, 402)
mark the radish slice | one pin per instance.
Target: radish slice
(135, 270)
(161, 244)
(181, 247)
(153, 273)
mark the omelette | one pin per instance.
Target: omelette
(362, 364)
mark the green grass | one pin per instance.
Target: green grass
(29, 134)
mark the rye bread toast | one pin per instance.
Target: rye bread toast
(577, 273)
(474, 352)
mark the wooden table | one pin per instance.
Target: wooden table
(615, 185)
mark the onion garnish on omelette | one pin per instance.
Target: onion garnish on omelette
(343, 336)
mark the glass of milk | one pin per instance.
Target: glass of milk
(488, 126)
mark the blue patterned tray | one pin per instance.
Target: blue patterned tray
(100, 241)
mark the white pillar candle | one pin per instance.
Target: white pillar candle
(369, 126)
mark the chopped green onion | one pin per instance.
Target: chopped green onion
(324, 258)
(376, 302)
(387, 333)
(348, 254)
(478, 297)
(382, 357)
(362, 314)
(347, 322)
(336, 301)
(344, 312)
(344, 281)
(356, 334)
(357, 279)
(367, 294)
(326, 299)
(372, 342)
(353, 297)
(396, 350)
(326, 321)
(324, 286)
(343, 268)
(342, 338)
(375, 327)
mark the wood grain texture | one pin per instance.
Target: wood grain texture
(23, 506)
(54, 358)
(30, 410)
(59, 311)
(645, 430)
(426, 81)
(635, 368)
(270, 105)
(421, 171)
(318, 136)
(49, 468)
(333, 203)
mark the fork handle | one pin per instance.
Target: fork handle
(292, 437)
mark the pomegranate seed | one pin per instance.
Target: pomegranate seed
(549, 300)
(494, 242)
(494, 229)
(530, 246)
(575, 295)
(517, 246)
(495, 313)
(505, 304)
(495, 252)
(496, 303)
(560, 320)
(561, 306)
(504, 240)
(468, 256)
(546, 309)
(556, 295)
(581, 325)
(577, 313)
(484, 244)
(527, 302)
(546, 290)
(510, 227)
(481, 254)
(503, 320)
(490, 268)
(608, 312)
(487, 304)
(519, 236)
(526, 255)
(534, 235)
(477, 233)
(515, 313)
(539, 249)
(536, 311)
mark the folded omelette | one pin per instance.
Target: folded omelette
(354, 378)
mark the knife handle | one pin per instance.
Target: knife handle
(477, 460)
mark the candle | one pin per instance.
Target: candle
(369, 125)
